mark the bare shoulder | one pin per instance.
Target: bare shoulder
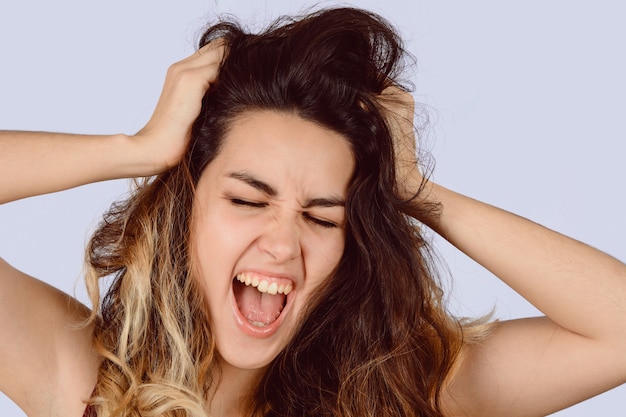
(47, 365)
(530, 367)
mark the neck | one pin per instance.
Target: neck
(234, 389)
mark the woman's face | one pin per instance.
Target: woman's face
(269, 226)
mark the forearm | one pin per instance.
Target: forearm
(578, 287)
(33, 163)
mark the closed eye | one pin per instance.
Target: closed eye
(307, 216)
(319, 222)
(247, 203)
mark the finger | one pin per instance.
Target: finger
(211, 53)
(204, 66)
(216, 44)
(397, 96)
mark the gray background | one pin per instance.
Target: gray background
(526, 104)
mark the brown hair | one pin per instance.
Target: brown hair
(376, 339)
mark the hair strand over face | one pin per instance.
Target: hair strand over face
(376, 340)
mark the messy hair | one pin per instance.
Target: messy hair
(376, 339)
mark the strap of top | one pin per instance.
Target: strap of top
(89, 412)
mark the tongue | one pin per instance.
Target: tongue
(259, 308)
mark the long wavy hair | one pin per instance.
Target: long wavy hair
(376, 339)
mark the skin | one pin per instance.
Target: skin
(534, 366)
(256, 212)
(528, 367)
(47, 366)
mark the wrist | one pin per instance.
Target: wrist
(411, 183)
(138, 159)
(421, 198)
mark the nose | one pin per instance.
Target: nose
(281, 240)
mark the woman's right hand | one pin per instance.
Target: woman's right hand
(166, 134)
(44, 341)
(33, 163)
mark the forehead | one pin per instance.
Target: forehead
(284, 148)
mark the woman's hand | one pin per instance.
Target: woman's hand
(33, 163)
(166, 134)
(399, 109)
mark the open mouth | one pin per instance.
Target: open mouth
(260, 299)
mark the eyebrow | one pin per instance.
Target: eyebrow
(254, 183)
(271, 191)
(324, 202)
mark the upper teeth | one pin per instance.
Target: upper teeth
(263, 285)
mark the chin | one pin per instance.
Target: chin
(249, 355)
(250, 362)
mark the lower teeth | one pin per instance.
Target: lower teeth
(257, 323)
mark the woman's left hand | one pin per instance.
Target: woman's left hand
(399, 109)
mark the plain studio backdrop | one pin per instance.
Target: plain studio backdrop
(526, 105)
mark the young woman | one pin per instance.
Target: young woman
(273, 262)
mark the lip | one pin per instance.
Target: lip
(267, 331)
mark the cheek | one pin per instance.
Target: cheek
(219, 231)
(219, 241)
(324, 256)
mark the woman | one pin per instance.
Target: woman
(273, 267)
